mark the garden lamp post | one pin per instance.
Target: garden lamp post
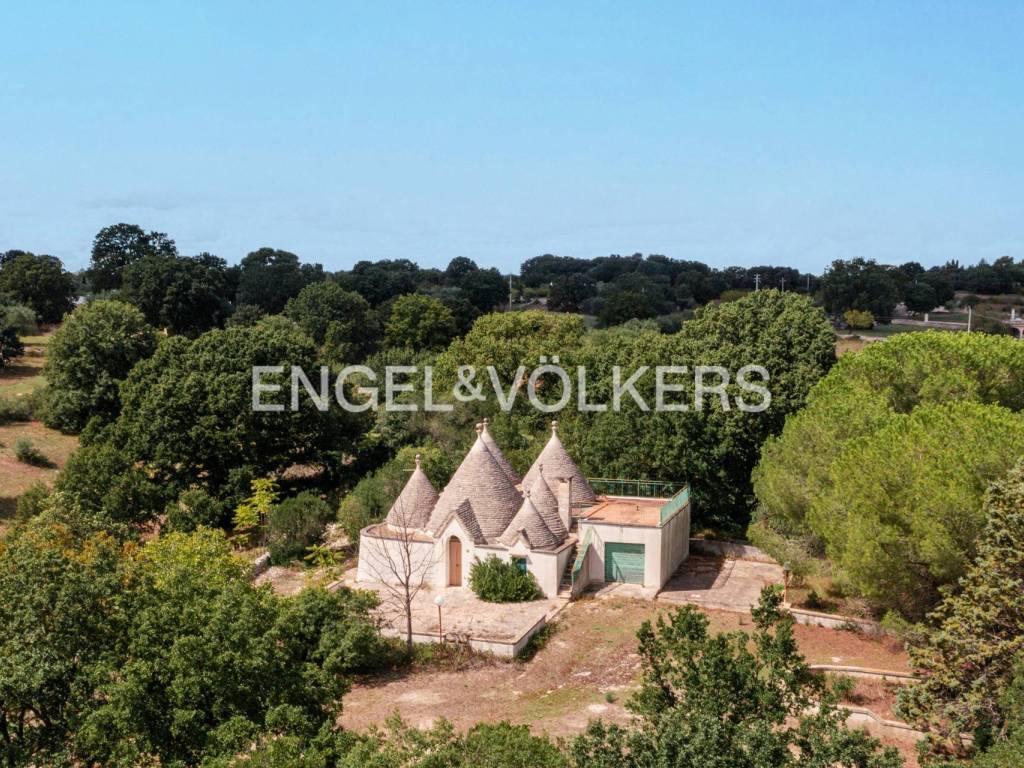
(439, 601)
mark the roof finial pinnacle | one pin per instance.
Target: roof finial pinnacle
(479, 428)
(418, 457)
(487, 421)
(554, 426)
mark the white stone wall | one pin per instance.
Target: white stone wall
(543, 565)
(375, 552)
(664, 548)
(675, 543)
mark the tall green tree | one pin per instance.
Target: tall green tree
(419, 322)
(59, 591)
(863, 392)
(712, 447)
(39, 282)
(119, 245)
(187, 412)
(903, 507)
(88, 358)
(969, 654)
(163, 653)
(859, 284)
(209, 659)
(568, 293)
(10, 342)
(185, 295)
(268, 277)
(338, 320)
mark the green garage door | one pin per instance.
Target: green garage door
(624, 562)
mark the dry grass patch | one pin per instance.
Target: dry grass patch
(568, 681)
(15, 476)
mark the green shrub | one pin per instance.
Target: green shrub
(192, 509)
(498, 581)
(21, 318)
(792, 552)
(858, 319)
(33, 500)
(296, 524)
(15, 409)
(27, 453)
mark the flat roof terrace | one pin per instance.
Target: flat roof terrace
(625, 510)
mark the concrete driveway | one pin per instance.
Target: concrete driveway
(728, 585)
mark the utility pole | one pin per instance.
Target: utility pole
(970, 313)
(509, 307)
(757, 283)
(808, 285)
(783, 285)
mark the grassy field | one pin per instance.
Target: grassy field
(21, 379)
(25, 375)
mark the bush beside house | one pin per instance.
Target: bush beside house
(498, 581)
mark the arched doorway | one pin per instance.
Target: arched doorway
(454, 562)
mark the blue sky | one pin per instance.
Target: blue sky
(731, 133)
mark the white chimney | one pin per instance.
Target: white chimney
(565, 502)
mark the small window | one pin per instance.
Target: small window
(520, 563)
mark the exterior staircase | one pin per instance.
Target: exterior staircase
(565, 586)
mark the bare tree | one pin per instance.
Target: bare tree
(400, 557)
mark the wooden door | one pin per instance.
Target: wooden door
(454, 562)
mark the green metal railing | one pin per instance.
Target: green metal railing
(581, 555)
(648, 489)
(676, 503)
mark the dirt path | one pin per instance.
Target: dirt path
(586, 671)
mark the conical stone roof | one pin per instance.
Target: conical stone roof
(547, 504)
(414, 505)
(499, 457)
(529, 523)
(468, 519)
(557, 464)
(482, 482)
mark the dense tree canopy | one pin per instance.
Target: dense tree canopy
(711, 448)
(88, 357)
(903, 506)
(269, 277)
(187, 411)
(38, 282)
(120, 245)
(337, 319)
(969, 655)
(163, 653)
(866, 393)
(569, 293)
(859, 284)
(378, 281)
(419, 322)
(10, 342)
(185, 295)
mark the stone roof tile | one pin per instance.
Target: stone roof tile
(558, 464)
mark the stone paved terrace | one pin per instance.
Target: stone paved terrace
(463, 615)
(723, 584)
